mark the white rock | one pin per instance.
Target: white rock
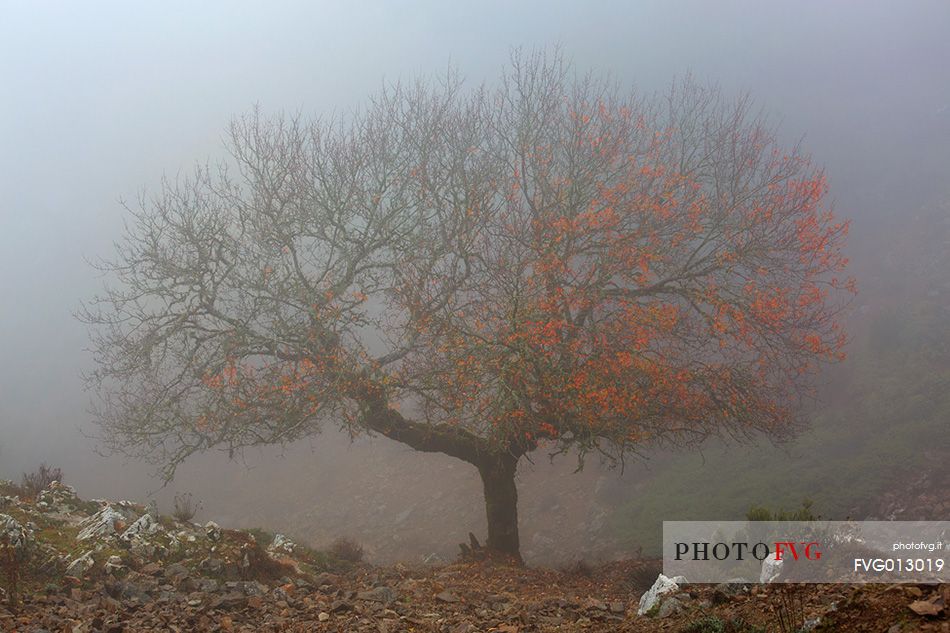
(102, 523)
(58, 492)
(15, 535)
(771, 568)
(663, 585)
(80, 565)
(213, 531)
(114, 563)
(184, 536)
(145, 525)
(283, 544)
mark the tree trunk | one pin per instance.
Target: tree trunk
(501, 503)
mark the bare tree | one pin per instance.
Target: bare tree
(549, 262)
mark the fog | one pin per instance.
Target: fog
(99, 100)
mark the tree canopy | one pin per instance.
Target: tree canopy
(548, 260)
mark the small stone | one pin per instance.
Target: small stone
(211, 565)
(447, 596)
(382, 594)
(213, 531)
(324, 616)
(230, 600)
(208, 585)
(340, 605)
(733, 587)
(670, 606)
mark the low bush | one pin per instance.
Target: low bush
(32, 484)
(185, 507)
(580, 568)
(644, 575)
(347, 549)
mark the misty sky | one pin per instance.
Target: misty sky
(99, 99)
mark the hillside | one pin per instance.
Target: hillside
(87, 566)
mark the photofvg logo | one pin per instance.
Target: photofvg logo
(806, 551)
(740, 551)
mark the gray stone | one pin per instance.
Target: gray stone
(250, 588)
(99, 525)
(447, 596)
(80, 565)
(725, 590)
(670, 606)
(177, 572)
(145, 525)
(382, 594)
(114, 564)
(208, 585)
(663, 585)
(213, 531)
(211, 565)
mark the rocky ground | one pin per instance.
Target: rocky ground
(85, 566)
